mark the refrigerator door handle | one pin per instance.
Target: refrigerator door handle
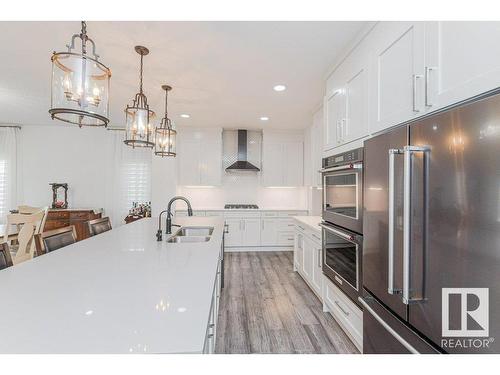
(390, 277)
(408, 153)
(388, 328)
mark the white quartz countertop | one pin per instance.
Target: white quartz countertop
(310, 221)
(118, 292)
(242, 209)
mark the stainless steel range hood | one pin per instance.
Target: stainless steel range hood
(242, 164)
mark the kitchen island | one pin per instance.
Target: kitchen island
(118, 292)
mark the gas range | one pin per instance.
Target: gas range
(241, 207)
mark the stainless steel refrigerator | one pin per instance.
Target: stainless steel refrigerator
(431, 249)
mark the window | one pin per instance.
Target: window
(3, 190)
(136, 182)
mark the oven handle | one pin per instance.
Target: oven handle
(342, 168)
(337, 232)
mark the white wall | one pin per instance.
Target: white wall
(244, 187)
(64, 154)
(84, 159)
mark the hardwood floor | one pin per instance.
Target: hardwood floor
(266, 307)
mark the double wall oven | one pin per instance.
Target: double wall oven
(342, 223)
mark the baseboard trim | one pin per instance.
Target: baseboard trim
(257, 248)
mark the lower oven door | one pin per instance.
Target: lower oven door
(342, 254)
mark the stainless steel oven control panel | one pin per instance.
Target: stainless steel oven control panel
(349, 157)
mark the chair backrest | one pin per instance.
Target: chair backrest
(30, 224)
(28, 209)
(25, 240)
(99, 226)
(55, 239)
(5, 258)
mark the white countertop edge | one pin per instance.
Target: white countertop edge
(311, 222)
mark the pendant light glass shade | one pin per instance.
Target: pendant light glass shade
(138, 116)
(80, 84)
(165, 136)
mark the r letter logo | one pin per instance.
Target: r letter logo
(465, 312)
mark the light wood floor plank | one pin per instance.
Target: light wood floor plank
(266, 307)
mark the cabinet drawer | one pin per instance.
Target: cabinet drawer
(286, 238)
(242, 214)
(285, 224)
(345, 311)
(79, 216)
(55, 224)
(269, 214)
(58, 215)
(292, 213)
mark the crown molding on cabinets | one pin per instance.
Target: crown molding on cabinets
(351, 47)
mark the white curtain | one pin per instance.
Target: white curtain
(10, 173)
(129, 180)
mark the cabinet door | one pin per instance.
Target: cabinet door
(272, 166)
(307, 265)
(355, 125)
(269, 233)
(317, 147)
(233, 237)
(251, 232)
(210, 163)
(334, 109)
(398, 58)
(462, 60)
(293, 164)
(298, 251)
(189, 169)
(317, 272)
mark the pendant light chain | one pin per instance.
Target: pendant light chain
(140, 75)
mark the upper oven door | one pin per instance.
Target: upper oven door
(342, 196)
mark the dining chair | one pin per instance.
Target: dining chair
(19, 220)
(99, 226)
(26, 210)
(55, 239)
(25, 250)
(5, 257)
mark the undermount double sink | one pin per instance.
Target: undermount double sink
(191, 234)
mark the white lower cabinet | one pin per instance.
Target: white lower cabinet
(307, 257)
(347, 314)
(307, 261)
(211, 333)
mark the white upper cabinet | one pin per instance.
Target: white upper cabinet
(315, 150)
(200, 157)
(334, 112)
(397, 54)
(283, 158)
(346, 104)
(462, 59)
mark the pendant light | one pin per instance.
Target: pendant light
(80, 84)
(138, 116)
(164, 134)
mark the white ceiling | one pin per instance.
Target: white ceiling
(222, 73)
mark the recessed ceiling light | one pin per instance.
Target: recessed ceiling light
(185, 115)
(264, 118)
(279, 88)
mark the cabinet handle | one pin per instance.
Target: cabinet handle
(416, 77)
(263, 224)
(340, 307)
(428, 70)
(343, 129)
(319, 258)
(226, 228)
